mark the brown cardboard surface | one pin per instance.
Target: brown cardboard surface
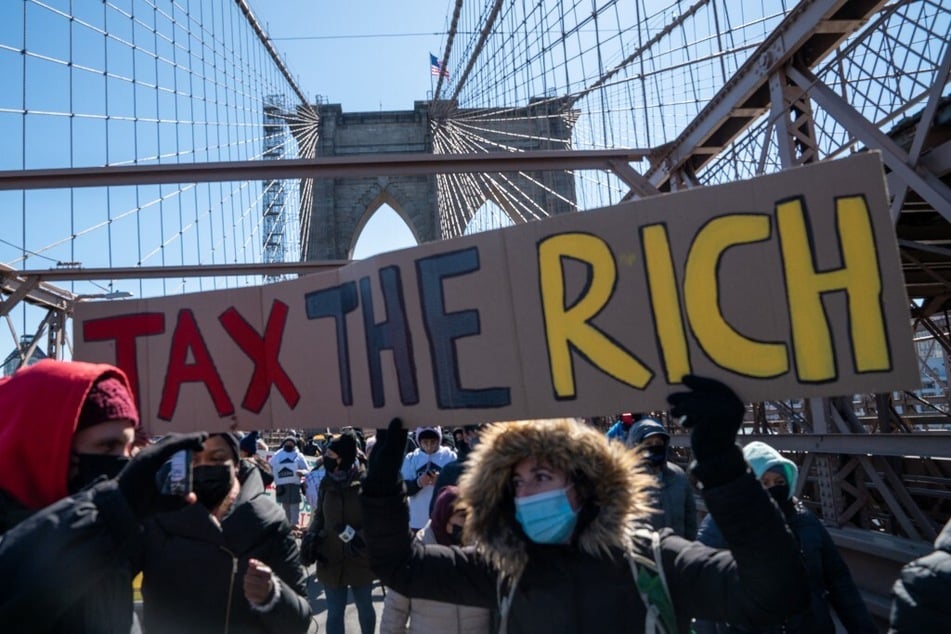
(784, 286)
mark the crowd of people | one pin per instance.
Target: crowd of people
(523, 526)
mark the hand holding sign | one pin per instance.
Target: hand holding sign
(713, 413)
(383, 471)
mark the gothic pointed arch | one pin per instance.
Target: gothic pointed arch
(383, 197)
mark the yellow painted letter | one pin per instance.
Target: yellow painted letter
(568, 327)
(722, 343)
(859, 278)
(665, 303)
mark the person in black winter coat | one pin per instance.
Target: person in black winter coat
(450, 474)
(228, 563)
(67, 520)
(830, 581)
(557, 513)
(334, 539)
(922, 591)
(672, 495)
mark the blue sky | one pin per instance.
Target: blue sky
(366, 55)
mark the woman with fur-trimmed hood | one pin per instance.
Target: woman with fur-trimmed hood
(559, 518)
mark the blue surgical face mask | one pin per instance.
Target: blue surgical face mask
(547, 518)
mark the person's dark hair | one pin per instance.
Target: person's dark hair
(345, 446)
(232, 442)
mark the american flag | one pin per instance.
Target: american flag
(435, 67)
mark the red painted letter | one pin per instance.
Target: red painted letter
(263, 351)
(124, 330)
(187, 337)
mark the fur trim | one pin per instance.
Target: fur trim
(616, 476)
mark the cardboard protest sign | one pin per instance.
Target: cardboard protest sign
(783, 286)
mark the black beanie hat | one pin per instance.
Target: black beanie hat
(345, 446)
(249, 444)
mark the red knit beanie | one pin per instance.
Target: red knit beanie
(108, 399)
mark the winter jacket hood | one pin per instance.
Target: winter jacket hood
(436, 430)
(762, 458)
(613, 477)
(644, 428)
(40, 407)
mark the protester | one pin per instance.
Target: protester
(830, 581)
(922, 590)
(249, 451)
(558, 515)
(420, 469)
(66, 428)
(451, 473)
(314, 446)
(335, 541)
(312, 483)
(433, 617)
(672, 497)
(459, 442)
(228, 563)
(622, 426)
(289, 466)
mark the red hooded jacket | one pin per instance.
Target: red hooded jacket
(39, 410)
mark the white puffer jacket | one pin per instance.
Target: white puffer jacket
(402, 615)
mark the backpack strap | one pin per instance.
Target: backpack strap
(505, 601)
(651, 582)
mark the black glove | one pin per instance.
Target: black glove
(713, 413)
(137, 480)
(383, 471)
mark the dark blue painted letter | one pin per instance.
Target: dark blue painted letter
(444, 328)
(336, 302)
(392, 334)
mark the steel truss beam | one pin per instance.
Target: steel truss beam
(931, 444)
(811, 31)
(324, 167)
(928, 186)
(196, 270)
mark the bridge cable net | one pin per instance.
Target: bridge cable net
(611, 74)
(578, 75)
(139, 83)
(884, 73)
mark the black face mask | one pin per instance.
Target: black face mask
(330, 464)
(211, 483)
(289, 448)
(92, 465)
(455, 535)
(656, 455)
(780, 493)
